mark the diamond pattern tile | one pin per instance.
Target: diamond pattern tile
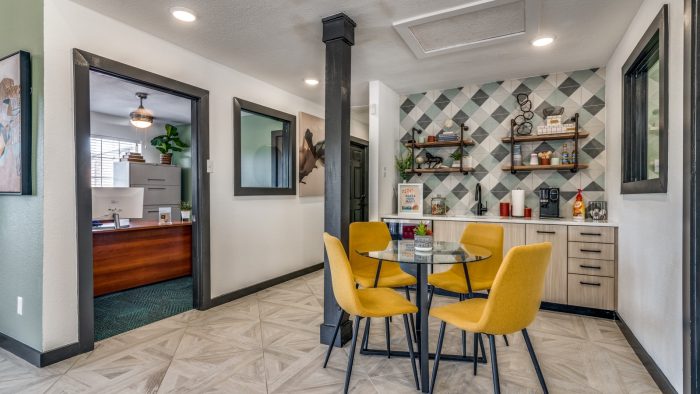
(487, 109)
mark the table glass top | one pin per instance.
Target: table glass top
(442, 253)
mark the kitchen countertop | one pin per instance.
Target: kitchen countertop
(499, 219)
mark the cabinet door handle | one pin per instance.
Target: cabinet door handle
(156, 188)
(589, 283)
(545, 232)
(591, 251)
(592, 234)
(595, 267)
(152, 211)
(157, 179)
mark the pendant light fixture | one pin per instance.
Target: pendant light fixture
(141, 117)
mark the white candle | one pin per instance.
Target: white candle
(517, 198)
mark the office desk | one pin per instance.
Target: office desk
(141, 254)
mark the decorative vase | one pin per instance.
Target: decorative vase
(166, 158)
(423, 242)
(186, 215)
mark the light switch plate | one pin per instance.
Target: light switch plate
(20, 306)
(210, 166)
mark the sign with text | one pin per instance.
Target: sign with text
(410, 199)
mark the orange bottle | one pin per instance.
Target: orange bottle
(579, 207)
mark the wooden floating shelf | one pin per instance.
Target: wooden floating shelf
(559, 167)
(545, 137)
(439, 144)
(439, 170)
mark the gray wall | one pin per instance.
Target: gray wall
(21, 217)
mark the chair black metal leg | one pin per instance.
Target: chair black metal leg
(476, 351)
(494, 365)
(481, 346)
(410, 350)
(335, 335)
(388, 337)
(441, 336)
(464, 334)
(414, 334)
(348, 371)
(505, 338)
(365, 336)
(540, 377)
(431, 290)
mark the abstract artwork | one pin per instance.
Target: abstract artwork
(15, 124)
(312, 140)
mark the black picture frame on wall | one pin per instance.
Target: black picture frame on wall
(21, 160)
(653, 46)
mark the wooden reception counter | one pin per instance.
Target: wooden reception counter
(141, 254)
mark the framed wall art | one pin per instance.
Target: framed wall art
(410, 197)
(15, 124)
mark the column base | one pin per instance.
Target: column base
(344, 335)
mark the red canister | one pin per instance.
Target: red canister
(505, 209)
(528, 212)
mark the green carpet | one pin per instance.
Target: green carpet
(126, 310)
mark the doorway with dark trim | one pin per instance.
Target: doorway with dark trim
(84, 64)
(359, 180)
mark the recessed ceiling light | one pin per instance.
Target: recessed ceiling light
(183, 14)
(311, 81)
(542, 41)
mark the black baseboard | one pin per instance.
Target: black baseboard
(234, 295)
(659, 377)
(35, 357)
(579, 310)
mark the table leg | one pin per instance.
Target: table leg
(422, 317)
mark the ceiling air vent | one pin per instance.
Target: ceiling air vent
(471, 25)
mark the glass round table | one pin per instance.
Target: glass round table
(416, 262)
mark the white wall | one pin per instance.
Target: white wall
(383, 137)
(650, 234)
(252, 239)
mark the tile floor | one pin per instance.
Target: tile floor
(268, 343)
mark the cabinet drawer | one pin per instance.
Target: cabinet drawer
(149, 174)
(605, 235)
(160, 195)
(150, 212)
(592, 291)
(592, 267)
(587, 250)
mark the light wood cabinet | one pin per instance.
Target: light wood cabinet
(592, 291)
(555, 279)
(582, 271)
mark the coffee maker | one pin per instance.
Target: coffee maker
(549, 202)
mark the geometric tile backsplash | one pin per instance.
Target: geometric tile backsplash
(487, 110)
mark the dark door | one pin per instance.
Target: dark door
(359, 172)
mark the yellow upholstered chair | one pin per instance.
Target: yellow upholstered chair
(375, 236)
(512, 305)
(481, 274)
(366, 302)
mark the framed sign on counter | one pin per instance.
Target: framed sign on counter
(410, 197)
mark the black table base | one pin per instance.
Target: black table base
(443, 357)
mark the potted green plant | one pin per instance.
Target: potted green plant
(422, 238)
(404, 163)
(186, 211)
(168, 143)
(457, 159)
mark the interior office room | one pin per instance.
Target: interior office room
(370, 197)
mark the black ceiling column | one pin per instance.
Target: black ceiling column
(339, 37)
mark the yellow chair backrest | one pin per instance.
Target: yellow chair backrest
(517, 290)
(367, 236)
(341, 276)
(488, 236)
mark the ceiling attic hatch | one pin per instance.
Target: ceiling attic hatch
(471, 25)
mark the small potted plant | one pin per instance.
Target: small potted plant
(168, 143)
(186, 211)
(457, 158)
(404, 164)
(422, 238)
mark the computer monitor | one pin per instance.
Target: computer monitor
(117, 203)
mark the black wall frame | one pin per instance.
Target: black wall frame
(83, 63)
(691, 197)
(291, 120)
(634, 180)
